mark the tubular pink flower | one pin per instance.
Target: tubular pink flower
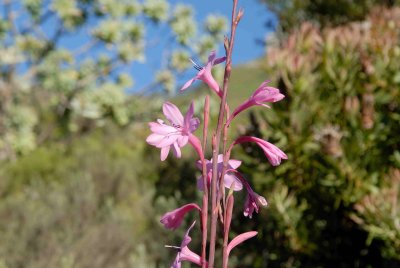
(173, 136)
(253, 200)
(273, 153)
(205, 75)
(253, 203)
(196, 144)
(230, 179)
(184, 253)
(173, 219)
(258, 98)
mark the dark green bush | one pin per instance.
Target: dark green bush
(336, 199)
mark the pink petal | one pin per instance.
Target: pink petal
(265, 105)
(239, 239)
(182, 140)
(173, 114)
(188, 83)
(173, 219)
(262, 201)
(188, 255)
(219, 60)
(186, 238)
(220, 158)
(167, 140)
(212, 55)
(253, 200)
(161, 129)
(190, 124)
(260, 95)
(164, 153)
(207, 78)
(233, 163)
(273, 153)
(196, 144)
(154, 139)
(267, 94)
(199, 183)
(176, 150)
(199, 164)
(185, 254)
(230, 179)
(194, 124)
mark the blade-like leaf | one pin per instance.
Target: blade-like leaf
(239, 239)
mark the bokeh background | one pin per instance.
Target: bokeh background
(79, 79)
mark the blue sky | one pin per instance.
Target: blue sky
(251, 28)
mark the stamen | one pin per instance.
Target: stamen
(196, 65)
(176, 126)
(175, 247)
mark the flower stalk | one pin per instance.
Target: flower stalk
(220, 171)
(204, 216)
(228, 69)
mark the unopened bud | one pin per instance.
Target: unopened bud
(226, 44)
(239, 15)
(228, 215)
(214, 141)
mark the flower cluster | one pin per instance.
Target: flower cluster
(180, 131)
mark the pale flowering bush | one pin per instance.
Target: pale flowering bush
(72, 76)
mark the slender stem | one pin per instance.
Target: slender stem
(204, 209)
(225, 164)
(217, 136)
(227, 226)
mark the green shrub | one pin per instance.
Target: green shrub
(339, 125)
(84, 204)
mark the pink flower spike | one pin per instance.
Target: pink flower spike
(184, 253)
(173, 136)
(205, 75)
(173, 219)
(273, 153)
(240, 239)
(230, 179)
(258, 98)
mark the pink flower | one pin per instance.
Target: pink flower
(205, 75)
(184, 253)
(173, 219)
(273, 153)
(230, 179)
(173, 136)
(253, 200)
(261, 95)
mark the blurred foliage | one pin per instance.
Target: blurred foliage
(291, 13)
(65, 63)
(336, 199)
(89, 203)
(83, 189)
